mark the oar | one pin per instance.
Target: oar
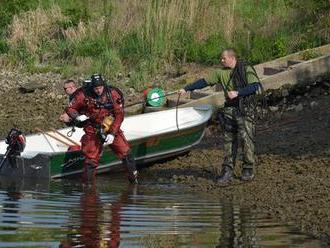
(66, 137)
(52, 136)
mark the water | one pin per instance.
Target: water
(112, 213)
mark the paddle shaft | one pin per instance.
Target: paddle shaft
(66, 137)
(52, 136)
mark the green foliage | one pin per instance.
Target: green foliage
(185, 49)
(260, 50)
(75, 15)
(159, 37)
(266, 48)
(9, 8)
(309, 54)
(108, 63)
(210, 50)
(279, 47)
(63, 50)
(140, 77)
(132, 48)
(142, 74)
(3, 47)
(21, 56)
(91, 47)
(314, 7)
(205, 52)
(33, 68)
(67, 70)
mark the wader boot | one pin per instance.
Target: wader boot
(89, 173)
(247, 174)
(129, 162)
(226, 174)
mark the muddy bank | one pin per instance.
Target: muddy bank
(293, 148)
(293, 171)
(35, 101)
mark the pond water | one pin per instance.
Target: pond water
(112, 213)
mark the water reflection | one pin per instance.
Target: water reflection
(96, 224)
(14, 184)
(108, 212)
(10, 210)
(238, 227)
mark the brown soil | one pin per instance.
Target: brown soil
(293, 147)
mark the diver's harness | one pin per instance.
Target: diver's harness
(90, 97)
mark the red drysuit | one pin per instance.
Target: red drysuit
(97, 108)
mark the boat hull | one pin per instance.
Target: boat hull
(152, 137)
(37, 167)
(145, 150)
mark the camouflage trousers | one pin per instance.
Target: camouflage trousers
(236, 125)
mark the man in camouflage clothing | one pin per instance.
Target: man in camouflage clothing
(240, 83)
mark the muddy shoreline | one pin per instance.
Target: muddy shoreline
(293, 148)
(293, 172)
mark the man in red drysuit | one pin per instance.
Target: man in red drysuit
(100, 102)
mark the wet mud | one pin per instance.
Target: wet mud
(293, 150)
(292, 174)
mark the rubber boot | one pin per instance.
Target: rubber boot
(247, 174)
(89, 173)
(226, 174)
(130, 164)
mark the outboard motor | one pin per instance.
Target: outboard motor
(16, 167)
(16, 143)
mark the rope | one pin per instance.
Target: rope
(178, 129)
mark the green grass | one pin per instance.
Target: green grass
(144, 39)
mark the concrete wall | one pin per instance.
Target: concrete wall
(300, 73)
(282, 63)
(303, 72)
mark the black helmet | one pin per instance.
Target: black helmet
(97, 80)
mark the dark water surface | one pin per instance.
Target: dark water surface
(112, 213)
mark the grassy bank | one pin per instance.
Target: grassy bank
(131, 41)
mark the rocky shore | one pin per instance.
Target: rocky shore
(293, 148)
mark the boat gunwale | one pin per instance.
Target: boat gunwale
(198, 123)
(51, 154)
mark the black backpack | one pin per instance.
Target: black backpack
(122, 99)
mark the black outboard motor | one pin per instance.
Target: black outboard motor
(16, 143)
(15, 167)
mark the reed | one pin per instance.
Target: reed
(145, 38)
(34, 26)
